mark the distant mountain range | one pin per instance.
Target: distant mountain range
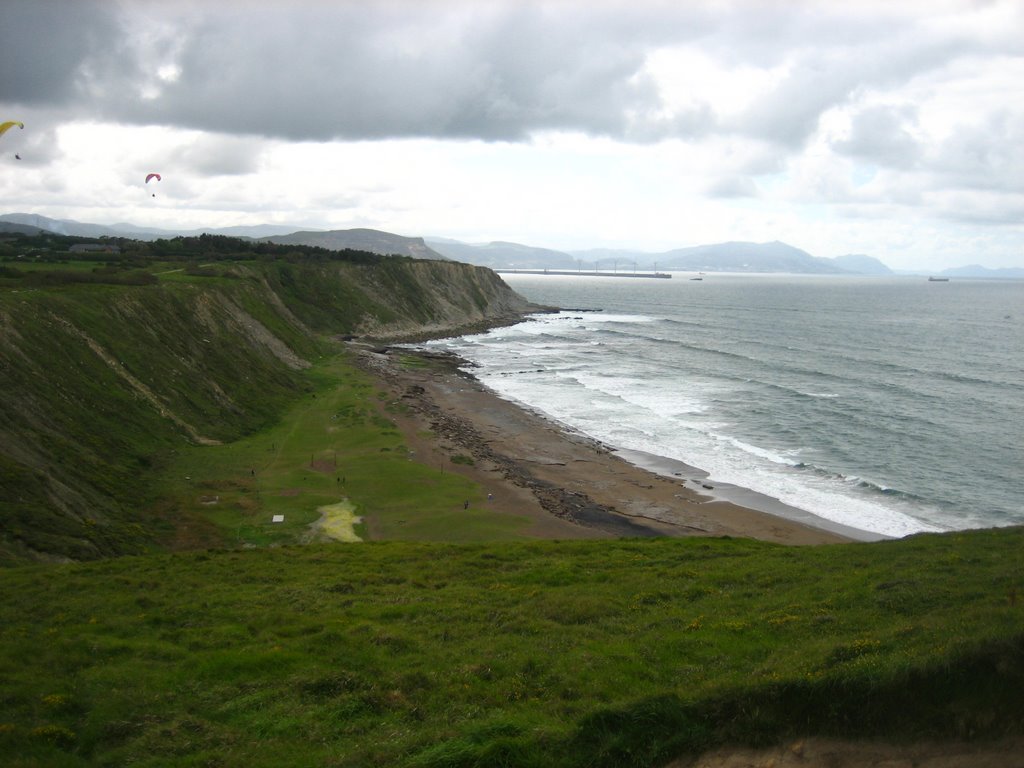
(502, 255)
(719, 257)
(976, 270)
(371, 240)
(9, 222)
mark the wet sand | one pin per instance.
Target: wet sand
(567, 484)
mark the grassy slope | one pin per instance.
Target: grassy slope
(80, 440)
(540, 654)
(336, 443)
(106, 385)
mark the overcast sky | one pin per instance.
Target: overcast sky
(893, 128)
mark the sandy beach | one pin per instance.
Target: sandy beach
(569, 485)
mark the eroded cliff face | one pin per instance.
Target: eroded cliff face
(443, 297)
(102, 382)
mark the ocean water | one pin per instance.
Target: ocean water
(887, 405)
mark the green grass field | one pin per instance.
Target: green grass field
(520, 654)
(337, 443)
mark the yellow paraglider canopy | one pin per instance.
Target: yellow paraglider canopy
(4, 127)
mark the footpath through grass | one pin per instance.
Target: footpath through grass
(612, 653)
(337, 445)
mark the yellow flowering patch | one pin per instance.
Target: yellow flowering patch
(337, 522)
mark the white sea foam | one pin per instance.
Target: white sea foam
(795, 415)
(617, 422)
(761, 453)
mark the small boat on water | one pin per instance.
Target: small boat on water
(938, 279)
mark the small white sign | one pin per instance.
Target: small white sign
(278, 519)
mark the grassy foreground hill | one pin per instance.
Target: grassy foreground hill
(627, 653)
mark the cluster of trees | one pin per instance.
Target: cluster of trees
(122, 261)
(222, 248)
(134, 254)
(109, 275)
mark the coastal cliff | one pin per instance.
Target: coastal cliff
(104, 379)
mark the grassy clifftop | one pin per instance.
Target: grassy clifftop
(107, 371)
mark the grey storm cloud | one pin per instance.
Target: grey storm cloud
(989, 156)
(318, 71)
(733, 186)
(354, 70)
(215, 155)
(494, 71)
(883, 135)
(44, 43)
